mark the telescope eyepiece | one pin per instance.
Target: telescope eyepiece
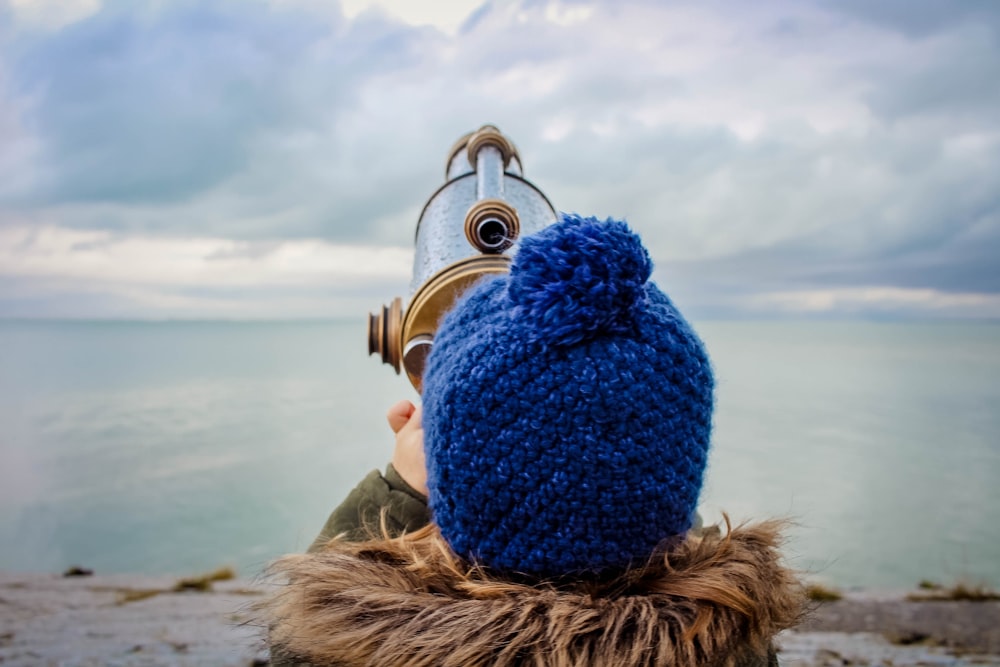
(383, 333)
(415, 354)
(492, 226)
(492, 233)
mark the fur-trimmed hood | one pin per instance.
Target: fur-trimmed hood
(714, 599)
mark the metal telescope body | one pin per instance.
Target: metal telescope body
(468, 229)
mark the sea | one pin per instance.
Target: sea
(180, 447)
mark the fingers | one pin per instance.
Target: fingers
(399, 414)
(408, 457)
(414, 422)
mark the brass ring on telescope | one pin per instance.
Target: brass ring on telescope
(455, 150)
(489, 135)
(485, 211)
(436, 297)
(384, 333)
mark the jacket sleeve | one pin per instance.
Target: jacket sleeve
(360, 516)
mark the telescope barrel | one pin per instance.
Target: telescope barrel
(489, 173)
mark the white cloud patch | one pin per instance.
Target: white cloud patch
(201, 276)
(566, 14)
(445, 15)
(52, 14)
(203, 262)
(879, 301)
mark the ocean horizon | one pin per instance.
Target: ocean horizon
(177, 446)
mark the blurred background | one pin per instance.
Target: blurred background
(201, 201)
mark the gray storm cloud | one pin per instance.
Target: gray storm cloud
(832, 158)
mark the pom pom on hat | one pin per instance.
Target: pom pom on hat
(579, 278)
(567, 409)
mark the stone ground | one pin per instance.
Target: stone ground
(138, 621)
(125, 620)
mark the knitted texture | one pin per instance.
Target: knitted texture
(567, 409)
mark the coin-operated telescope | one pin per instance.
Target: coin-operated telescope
(469, 228)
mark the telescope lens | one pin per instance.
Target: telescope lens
(415, 354)
(491, 226)
(383, 332)
(374, 333)
(493, 234)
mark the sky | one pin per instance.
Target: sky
(268, 159)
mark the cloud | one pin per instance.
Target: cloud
(883, 300)
(203, 262)
(158, 107)
(445, 15)
(197, 277)
(52, 14)
(920, 18)
(778, 148)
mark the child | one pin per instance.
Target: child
(566, 420)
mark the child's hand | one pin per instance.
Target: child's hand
(408, 457)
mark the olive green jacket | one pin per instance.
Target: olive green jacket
(361, 514)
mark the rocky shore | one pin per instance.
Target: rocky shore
(143, 621)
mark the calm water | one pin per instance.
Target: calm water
(179, 447)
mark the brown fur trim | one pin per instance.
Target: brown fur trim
(715, 599)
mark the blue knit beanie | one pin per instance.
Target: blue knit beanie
(567, 409)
